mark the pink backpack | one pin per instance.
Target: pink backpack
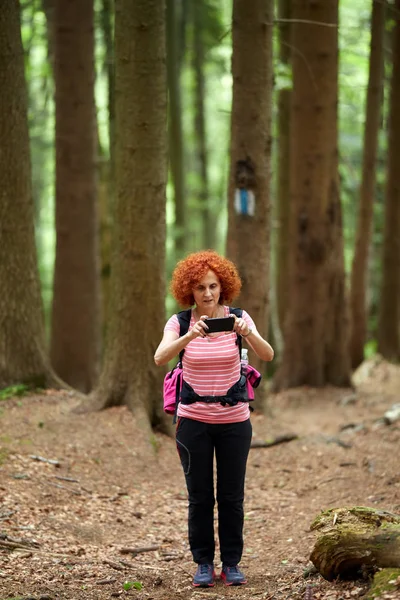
(253, 378)
(174, 378)
(172, 389)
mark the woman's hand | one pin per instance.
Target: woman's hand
(241, 326)
(253, 339)
(199, 329)
(171, 344)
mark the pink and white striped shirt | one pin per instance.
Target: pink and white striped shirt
(211, 366)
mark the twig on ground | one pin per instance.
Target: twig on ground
(127, 564)
(63, 487)
(6, 515)
(279, 439)
(30, 543)
(13, 545)
(135, 551)
(71, 479)
(113, 564)
(105, 581)
(50, 461)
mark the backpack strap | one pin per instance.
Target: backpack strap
(239, 313)
(184, 322)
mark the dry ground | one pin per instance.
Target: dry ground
(113, 489)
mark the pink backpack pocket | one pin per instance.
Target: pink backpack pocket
(172, 389)
(253, 378)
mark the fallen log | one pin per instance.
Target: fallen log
(353, 540)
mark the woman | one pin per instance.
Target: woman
(211, 418)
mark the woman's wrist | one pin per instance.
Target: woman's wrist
(250, 331)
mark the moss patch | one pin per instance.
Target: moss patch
(3, 455)
(383, 582)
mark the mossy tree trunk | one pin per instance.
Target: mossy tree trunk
(23, 353)
(137, 313)
(355, 539)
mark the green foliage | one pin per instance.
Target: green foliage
(128, 585)
(155, 443)
(20, 389)
(3, 455)
(370, 348)
(282, 76)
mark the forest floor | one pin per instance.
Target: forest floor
(112, 489)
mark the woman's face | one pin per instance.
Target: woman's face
(207, 293)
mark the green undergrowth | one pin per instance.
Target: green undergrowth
(19, 389)
(3, 455)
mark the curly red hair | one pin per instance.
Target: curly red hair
(191, 270)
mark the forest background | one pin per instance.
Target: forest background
(285, 108)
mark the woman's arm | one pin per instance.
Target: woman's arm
(260, 346)
(171, 344)
(257, 343)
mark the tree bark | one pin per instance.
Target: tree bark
(176, 151)
(137, 316)
(106, 178)
(248, 239)
(352, 539)
(389, 307)
(283, 188)
(75, 341)
(208, 223)
(358, 286)
(23, 354)
(315, 335)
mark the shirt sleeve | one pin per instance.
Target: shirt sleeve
(172, 325)
(246, 317)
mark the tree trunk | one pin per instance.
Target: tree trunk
(107, 163)
(352, 539)
(367, 191)
(389, 315)
(248, 240)
(137, 315)
(315, 335)
(283, 189)
(176, 152)
(23, 356)
(208, 223)
(75, 318)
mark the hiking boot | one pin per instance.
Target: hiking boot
(232, 575)
(204, 576)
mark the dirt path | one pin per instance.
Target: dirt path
(113, 489)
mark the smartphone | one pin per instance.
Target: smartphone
(220, 324)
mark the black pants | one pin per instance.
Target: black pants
(196, 442)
